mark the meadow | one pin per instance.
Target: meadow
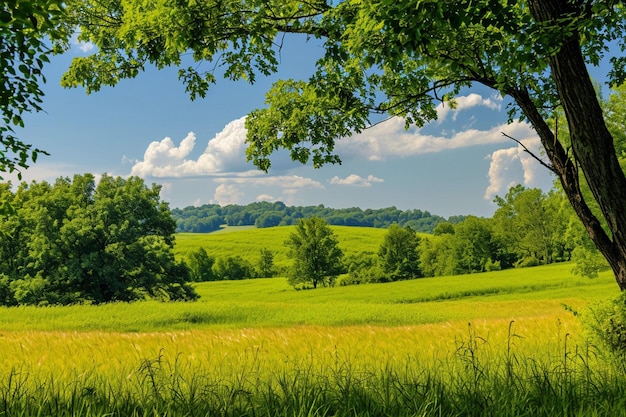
(247, 242)
(503, 343)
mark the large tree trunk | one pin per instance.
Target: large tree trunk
(591, 142)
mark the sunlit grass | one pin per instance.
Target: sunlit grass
(533, 367)
(248, 242)
(497, 344)
(513, 294)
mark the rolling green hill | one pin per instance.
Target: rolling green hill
(247, 242)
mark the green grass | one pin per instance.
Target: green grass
(247, 242)
(495, 344)
(511, 294)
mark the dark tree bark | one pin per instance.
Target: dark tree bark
(592, 144)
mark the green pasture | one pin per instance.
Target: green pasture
(247, 242)
(503, 295)
(496, 344)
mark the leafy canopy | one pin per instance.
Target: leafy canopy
(381, 57)
(314, 249)
(24, 27)
(75, 241)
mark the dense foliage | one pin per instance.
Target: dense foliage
(398, 253)
(75, 241)
(211, 217)
(317, 258)
(24, 27)
(529, 228)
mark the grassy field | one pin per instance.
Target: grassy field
(247, 242)
(505, 295)
(496, 344)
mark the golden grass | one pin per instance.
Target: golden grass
(224, 353)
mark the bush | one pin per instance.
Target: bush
(363, 268)
(607, 323)
(527, 261)
(589, 262)
(6, 295)
(30, 290)
(492, 265)
(233, 268)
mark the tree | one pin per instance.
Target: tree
(438, 255)
(398, 253)
(393, 58)
(201, 265)
(74, 241)
(314, 249)
(363, 267)
(528, 224)
(233, 268)
(474, 245)
(24, 24)
(266, 263)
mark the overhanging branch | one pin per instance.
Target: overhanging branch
(529, 152)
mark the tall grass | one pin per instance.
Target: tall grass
(536, 368)
(496, 344)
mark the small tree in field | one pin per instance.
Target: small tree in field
(201, 265)
(398, 253)
(317, 258)
(266, 263)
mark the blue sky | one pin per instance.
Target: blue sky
(149, 127)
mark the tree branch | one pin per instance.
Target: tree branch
(528, 151)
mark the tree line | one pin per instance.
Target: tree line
(210, 217)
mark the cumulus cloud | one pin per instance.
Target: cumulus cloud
(356, 180)
(467, 102)
(84, 47)
(224, 153)
(265, 197)
(227, 194)
(232, 190)
(390, 139)
(508, 165)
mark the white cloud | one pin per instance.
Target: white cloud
(227, 194)
(282, 181)
(233, 189)
(356, 180)
(41, 171)
(391, 139)
(224, 153)
(467, 102)
(84, 47)
(511, 166)
(265, 197)
(501, 177)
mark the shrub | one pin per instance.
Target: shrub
(589, 262)
(607, 323)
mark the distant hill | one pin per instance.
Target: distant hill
(211, 217)
(247, 243)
